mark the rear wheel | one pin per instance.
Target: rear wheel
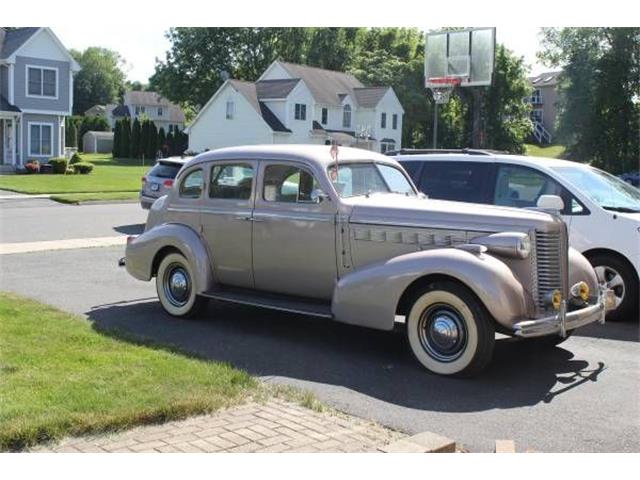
(176, 289)
(449, 330)
(619, 277)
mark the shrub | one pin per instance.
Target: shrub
(70, 171)
(32, 167)
(59, 165)
(83, 167)
(76, 158)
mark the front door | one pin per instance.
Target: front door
(294, 238)
(226, 220)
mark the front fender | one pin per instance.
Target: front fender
(369, 296)
(141, 253)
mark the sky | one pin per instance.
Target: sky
(143, 44)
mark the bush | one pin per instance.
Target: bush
(70, 171)
(59, 165)
(76, 158)
(32, 167)
(83, 167)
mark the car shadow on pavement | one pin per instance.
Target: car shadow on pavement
(375, 363)
(624, 331)
(133, 229)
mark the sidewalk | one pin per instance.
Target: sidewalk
(275, 426)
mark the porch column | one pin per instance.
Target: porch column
(15, 139)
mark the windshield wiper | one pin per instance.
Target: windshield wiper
(621, 209)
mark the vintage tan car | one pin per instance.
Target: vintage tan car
(345, 235)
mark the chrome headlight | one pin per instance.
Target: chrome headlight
(506, 244)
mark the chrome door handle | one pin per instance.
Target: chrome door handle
(254, 219)
(246, 219)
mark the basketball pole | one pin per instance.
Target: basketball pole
(435, 124)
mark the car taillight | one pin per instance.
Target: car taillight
(144, 179)
(168, 183)
(131, 238)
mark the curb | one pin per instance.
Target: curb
(425, 442)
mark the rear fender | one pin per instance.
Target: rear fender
(142, 253)
(369, 296)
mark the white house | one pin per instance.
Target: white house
(293, 103)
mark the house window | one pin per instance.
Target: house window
(383, 120)
(301, 111)
(160, 111)
(42, 82)
(40, 139)
(536, 97)
(394, 121)
(325, 116)
(230, 110)
(387, 146)
(346, 116)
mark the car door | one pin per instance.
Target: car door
(294, 238)
(226, 220)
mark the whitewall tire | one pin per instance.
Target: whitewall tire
(175, 287)
(449, 330)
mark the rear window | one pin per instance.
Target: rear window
(164, 170)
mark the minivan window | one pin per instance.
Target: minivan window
(522, 187)
(458, 181)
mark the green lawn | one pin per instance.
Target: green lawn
(76, 198)
(59, 377)
(550, 151)
(109, 175)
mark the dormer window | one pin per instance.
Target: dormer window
(42, 82)
(301, 111)
(346, 116)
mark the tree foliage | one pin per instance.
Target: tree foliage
(599, 108)
(101, 79)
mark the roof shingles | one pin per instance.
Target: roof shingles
(14, 39)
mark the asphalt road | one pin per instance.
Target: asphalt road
(583, 397)
(34, 220)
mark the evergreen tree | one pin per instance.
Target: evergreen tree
(73, 135)
(162, 140)
(125, 143)
(117, 138)
(135, 150)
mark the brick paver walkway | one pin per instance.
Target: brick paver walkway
(275, 426)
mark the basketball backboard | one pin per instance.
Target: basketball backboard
(467, 55)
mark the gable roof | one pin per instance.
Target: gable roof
(275, 88)
(325, 85)
(250, 92)
(14, 39)
(154, 99)
(545, 79)
(369, 97)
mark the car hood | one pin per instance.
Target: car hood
(392, 209)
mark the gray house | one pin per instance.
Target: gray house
(36, 94)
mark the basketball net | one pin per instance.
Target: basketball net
(442, 87)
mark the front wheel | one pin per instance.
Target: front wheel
(619, 277)
(449, 330)
(175, 287)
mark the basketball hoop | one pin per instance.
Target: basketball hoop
(442, 87)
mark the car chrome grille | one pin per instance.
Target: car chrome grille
(550, 257)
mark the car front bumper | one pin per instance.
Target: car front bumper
(564, 321)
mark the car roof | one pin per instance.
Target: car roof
(319, 155)
(176, 160)
(524, 160)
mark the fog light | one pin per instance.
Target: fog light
(580, 290)
(555, 299)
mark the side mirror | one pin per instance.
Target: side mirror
(318, 195)
(550, 202)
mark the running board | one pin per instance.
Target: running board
(272, 301)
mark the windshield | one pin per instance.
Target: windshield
(603, 188)
(355, 179)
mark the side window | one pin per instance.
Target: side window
(231, 181)
(458, 181)
(191, 185)
(413, 169)
(522, 187)
(285, 183)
